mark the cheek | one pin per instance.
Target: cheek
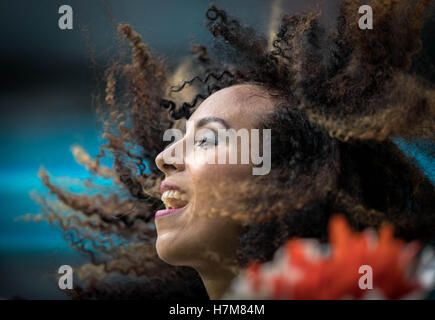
(207, 175)
(205, 170)
(211, 175)
(212, 183)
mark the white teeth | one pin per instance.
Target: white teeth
(175, 194)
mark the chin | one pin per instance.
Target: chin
(168, 252)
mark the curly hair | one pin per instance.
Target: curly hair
(344, 96)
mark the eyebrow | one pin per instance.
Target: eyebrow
(206, 120)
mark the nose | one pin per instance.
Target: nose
(171, 159)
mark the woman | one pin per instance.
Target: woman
(333, 100)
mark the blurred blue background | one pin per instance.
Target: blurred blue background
(45, 105)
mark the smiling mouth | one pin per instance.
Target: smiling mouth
(174, 199)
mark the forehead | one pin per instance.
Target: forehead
(241, 106)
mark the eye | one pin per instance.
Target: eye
(202, 142)
(206, 140)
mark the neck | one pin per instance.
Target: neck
(217, 280)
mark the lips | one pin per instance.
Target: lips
(174, 198)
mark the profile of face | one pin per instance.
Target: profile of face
(187, 234)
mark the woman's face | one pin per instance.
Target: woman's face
(187, 235)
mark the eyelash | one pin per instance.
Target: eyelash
(203, 140)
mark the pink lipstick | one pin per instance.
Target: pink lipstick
(173, 201)
(167, 212)
(168, 186)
